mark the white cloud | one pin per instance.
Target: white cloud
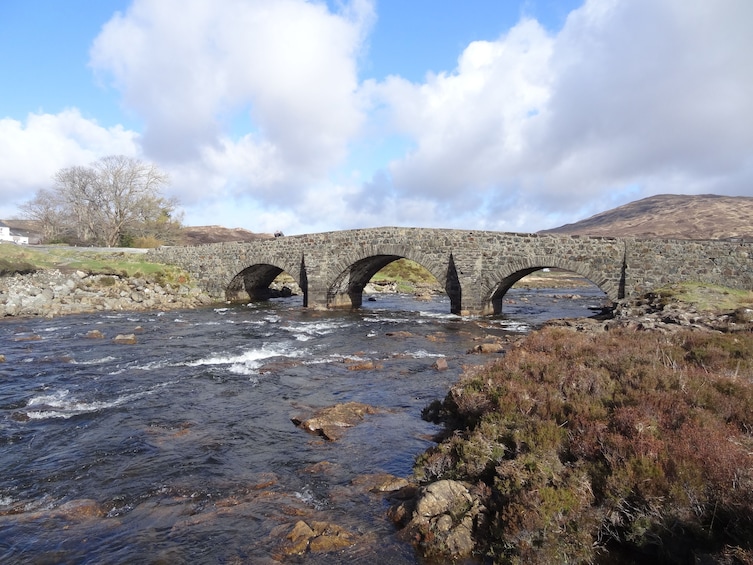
(32, 151)
(192, 70)
(189, 67)
(654, 93)
(630, 98)
(470, 125)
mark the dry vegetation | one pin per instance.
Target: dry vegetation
(197, 235)
(629, 442)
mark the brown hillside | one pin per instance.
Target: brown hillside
(672, 216)
(196, 235)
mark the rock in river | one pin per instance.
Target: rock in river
(331, 422)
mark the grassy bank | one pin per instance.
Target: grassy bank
(622, 442)
(705, 297)
(23, 259)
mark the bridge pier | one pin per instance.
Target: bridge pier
(344, 301)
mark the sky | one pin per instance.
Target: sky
(309, 115)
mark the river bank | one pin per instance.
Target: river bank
(52, 293)
(609, 441)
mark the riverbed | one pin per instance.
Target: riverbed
(179, 448)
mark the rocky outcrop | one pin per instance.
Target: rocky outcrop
(53, 293)
(442, 519)
(654, 312)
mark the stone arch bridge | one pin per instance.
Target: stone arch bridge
(476, 268)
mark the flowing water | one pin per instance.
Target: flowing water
(180, 448)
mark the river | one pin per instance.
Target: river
(180, 448)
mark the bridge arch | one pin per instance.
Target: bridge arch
(513, 271)
(254, 276)
(353, 271)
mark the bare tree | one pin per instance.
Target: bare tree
(127, 191)
(113, 199)
(76, 190)
(46, 210)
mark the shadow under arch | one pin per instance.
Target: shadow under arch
(346, 290)
(506, 281)
(253, 283)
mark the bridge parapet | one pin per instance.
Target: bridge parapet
(476, 268)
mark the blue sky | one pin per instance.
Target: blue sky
(311, 116)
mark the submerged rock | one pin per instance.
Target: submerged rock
(316, 537)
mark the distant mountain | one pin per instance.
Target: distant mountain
(196, 235)
(672, 216)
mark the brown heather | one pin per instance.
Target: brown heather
(589, 445)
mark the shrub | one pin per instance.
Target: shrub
(614, 440)
(146, 242)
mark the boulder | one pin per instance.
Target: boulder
(488, 348)
(440, 364)
(125, 339)
(743, 315)
(442, 519)
(363, 366)
(331, 422)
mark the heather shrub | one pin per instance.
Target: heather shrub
(594, 442)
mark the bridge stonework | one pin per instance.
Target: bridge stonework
(476, 268)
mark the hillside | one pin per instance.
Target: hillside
(672, 216)
(195, 235)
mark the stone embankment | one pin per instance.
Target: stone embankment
(54, 293)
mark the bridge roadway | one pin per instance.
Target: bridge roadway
(476, 268)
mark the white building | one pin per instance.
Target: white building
(7, 235)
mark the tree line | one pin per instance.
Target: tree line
(115, 201)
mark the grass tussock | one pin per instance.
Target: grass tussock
(614, 441)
